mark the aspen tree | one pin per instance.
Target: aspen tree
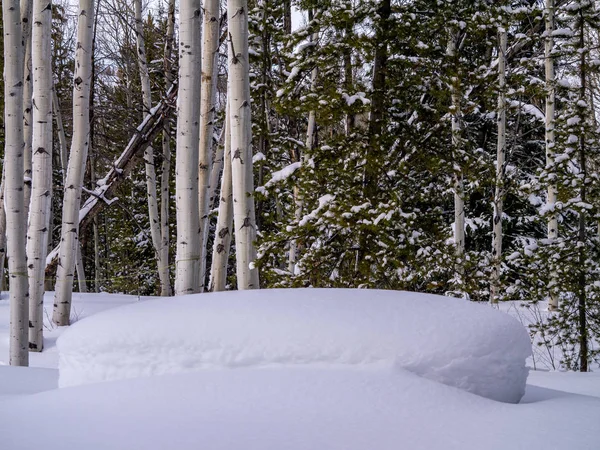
(241, 145)
(310, 137)
(186, 165)
(13, 165)
(166, 153)
(2, 232)
(500, 159)
(222, 244)
(153, 216)
(210, 51)
(26, 6)
(69, 240)
(459, 202)
(41, 183)
(62, 139)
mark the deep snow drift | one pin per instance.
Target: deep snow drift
(458, 343)
(293, 408)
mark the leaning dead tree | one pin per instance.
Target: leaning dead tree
(131, 156)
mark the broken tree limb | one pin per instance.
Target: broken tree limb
(131, 156)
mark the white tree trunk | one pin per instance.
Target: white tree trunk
(2, 231)
(41, 183)
(13, 163)
(154, 219)
(310, 137)
(500, 158)
(79, 148)
(222, 244)
(81, 280)
(216, 172)
(26, 6)
(210, 50)
(459, 202)
(62, 139)
(166, 149)
(241, 145)
(550, 139)
(186, 173)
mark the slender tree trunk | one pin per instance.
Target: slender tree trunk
(310, 137)
(2, 232)
(41, 187)
(210, 51)
(348, 78)
(76, 166)
(216, 173)
(153, 216)
(81, 280)
(62, 139)
(97, 266)
(222, 244)
(166, 149)
(13, 164)
(186, 170)
(26, 6)
(241, 141)
(459, 202)
(582, 235)
(500, 158)
(550, 142)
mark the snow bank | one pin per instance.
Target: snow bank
(84, 305)
(293, 409)
(458, 343)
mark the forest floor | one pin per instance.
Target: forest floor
(281, 407)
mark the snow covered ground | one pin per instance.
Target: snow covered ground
(288, 406)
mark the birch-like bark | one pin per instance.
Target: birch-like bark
(550, 141)
(216, 173)
(241, 145)
(81, 280)
(222, 244)
(166, 149)
(154, 219)
(41, 183)
(500, 158)
(2, 232)
(186, 164)
(26, 6)
(208, 86)
(458, 184)
(13, 163)
(79, 148)
(62, 139)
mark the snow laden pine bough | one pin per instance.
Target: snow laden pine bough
(457, 343)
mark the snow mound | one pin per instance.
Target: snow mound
(297, 408)
(461, 344)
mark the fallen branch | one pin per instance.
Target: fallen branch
(133, 153)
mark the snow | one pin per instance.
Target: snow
(16, 381)
(283, 174)
(83, 305)
(299, 406)
(294, 409)
(458, 343)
